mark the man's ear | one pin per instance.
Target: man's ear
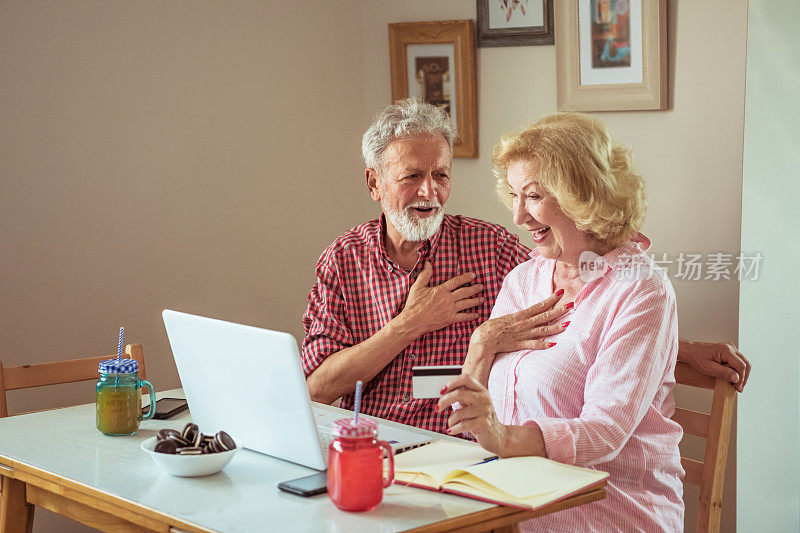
(372, 178)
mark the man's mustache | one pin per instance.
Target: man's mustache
(424, 205)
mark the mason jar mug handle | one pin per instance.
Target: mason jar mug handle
(390, 455)
(152, 411)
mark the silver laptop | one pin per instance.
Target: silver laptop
(248, 381)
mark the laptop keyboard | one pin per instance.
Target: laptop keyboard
(325, 435)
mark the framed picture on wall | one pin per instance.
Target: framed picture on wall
(611, 55)
(515, 22)
(435, 61)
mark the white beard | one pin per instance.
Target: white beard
(410, 226)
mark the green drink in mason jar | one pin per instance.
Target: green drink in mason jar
(119, 398)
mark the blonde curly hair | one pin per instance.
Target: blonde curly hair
(592, 178)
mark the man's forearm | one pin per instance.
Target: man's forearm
(718, 359)
(683, 345)
(338, 373)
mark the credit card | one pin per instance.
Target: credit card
(427, 381)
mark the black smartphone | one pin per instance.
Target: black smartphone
(167, 408)
(307, 486)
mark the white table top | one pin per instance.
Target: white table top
(243, 497)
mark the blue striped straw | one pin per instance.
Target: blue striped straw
(119, 347)
(357, 407)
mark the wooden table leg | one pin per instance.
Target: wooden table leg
(32, 508)
(16, 516)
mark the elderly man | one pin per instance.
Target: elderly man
(409, 288)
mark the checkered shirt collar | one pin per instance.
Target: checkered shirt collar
(427, 248)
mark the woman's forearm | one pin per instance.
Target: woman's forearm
(480, 355)
(479, 369)
(522, 441)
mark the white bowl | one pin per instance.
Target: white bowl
(188, 465)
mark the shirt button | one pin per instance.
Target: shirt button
(406, 397)
(411, 357)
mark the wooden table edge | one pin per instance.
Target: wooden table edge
(139, 514)
(104, 502)
(155, 520)
(501, 516)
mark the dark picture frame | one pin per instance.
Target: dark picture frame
(411, 49)
(515, 36)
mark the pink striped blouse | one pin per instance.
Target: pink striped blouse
(603, 395)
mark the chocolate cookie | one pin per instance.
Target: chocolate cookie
(190, 450)
(224, 441)
(190, 441)
(190, 432)
(163, 434)
(178, 439)
(212, 446)
(166, 446)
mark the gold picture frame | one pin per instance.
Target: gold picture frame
(435, 61)
(586, 78)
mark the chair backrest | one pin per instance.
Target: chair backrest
(39, 375)
(715, 427)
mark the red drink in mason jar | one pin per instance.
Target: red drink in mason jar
(355, 465)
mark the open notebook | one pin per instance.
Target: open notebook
(526, 482)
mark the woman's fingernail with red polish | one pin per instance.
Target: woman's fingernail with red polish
(569, 305)
(552, 344)
(448, 430)
(444, 389)
(559, 292)
(565, 324)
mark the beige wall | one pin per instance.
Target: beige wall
(155, 155)
(192, 155)
(691, 155)
(176, 154)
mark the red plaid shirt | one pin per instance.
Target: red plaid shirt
(359, 289)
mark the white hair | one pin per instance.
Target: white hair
(406, 118)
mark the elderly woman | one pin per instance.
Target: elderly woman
(600, 395)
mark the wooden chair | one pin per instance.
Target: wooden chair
(39, 375)
(716, 428)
